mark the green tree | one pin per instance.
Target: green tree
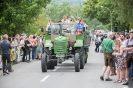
(19, 16)
(92, 9)
(56, 11)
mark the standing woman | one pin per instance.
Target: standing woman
(34, 45)
(123, 39)
(12, 54)
(120, 65)
(16, 43)
(39, 48)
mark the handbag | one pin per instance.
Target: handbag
(101, 50)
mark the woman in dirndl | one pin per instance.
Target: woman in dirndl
(120, 62)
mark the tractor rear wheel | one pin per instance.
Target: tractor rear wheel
(51, 65)
(86, 55)
(82, 63)
(85, 60)
(55, 62)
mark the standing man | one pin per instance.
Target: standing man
(5, 47)
(122, 38)
(107, 46)
(128, 46)
(97, 44)
(27, 48)
(117, 36)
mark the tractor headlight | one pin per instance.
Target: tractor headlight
(47, 44)
(49, 48)
(70, 48)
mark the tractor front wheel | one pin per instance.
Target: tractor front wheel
(44, 62)
(77, 62)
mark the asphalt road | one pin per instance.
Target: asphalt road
(29, 75)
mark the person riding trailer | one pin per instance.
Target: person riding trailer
(50, 27)
(79, 27)
(53, 28)
(68, 29)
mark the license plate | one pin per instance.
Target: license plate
(60, 55)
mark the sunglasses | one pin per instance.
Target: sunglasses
(121, 36)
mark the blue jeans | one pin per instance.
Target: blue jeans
(131, 71)
(33, 52)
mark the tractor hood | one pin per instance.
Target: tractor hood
(61, 38)
(60, 45)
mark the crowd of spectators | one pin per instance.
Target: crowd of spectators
(22, 48)
(118, 56)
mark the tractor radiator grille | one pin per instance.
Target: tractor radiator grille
(60, 47)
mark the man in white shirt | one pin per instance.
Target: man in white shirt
(65, 20)
(122, 38)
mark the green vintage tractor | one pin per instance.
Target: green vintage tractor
(62, 43)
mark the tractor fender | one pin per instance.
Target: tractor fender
(48, 43)
(79, 43)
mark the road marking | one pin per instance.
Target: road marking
(44, 78)
(56, 69)
(62, 74)
(125, 87)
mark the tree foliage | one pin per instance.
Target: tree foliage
(19, 16)
(125, 10)
(120, 12)
(56, 11)
(71, 2)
